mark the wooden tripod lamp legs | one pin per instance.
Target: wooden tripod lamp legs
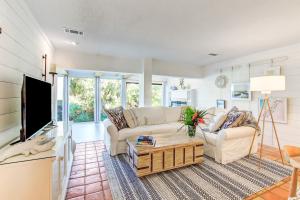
(254, 135)
(266, 101)
(274, 127)
(293, 187)
(293, 157)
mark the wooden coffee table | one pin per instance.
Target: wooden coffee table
(172, 150)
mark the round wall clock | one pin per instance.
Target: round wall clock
(220, 81)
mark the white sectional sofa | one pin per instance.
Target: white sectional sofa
(225, 146)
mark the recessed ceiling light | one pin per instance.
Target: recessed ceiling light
(213, 54)
(74, 43)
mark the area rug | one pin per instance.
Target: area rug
(208, 180)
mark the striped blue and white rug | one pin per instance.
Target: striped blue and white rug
(208, 180)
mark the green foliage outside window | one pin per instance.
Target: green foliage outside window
(110, 95)
(157, 94)
(132, 95)
(81, 99)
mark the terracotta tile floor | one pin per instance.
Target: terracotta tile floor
(88, 177)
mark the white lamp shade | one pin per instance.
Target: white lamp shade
(266, 84)
(53, 68)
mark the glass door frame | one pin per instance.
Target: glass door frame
(97, 88)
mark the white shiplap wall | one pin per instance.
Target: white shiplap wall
(237, 70)
(22, 44)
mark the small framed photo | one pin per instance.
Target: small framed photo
(221, 103)
(241, 91)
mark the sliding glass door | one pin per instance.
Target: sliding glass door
(110, 90)
(88, 97)
(132, 94)
(81, 99)
(157, 94)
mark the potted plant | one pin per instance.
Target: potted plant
(192, 118)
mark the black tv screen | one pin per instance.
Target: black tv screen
(36, 106)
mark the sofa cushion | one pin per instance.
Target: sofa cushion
(172, 114)
(149, 130)
(131, 118)
(150, 115)
(210, 138)
(116, 116)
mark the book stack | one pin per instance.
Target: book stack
(145, 141)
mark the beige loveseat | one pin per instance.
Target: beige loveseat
(226, 146)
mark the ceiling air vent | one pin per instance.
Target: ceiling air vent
(213, 54)
(73, 31)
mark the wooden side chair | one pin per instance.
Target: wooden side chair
(293, 157)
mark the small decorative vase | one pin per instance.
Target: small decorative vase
(191, 131)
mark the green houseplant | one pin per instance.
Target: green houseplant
(193, 117)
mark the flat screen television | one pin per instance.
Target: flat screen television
(36, 106)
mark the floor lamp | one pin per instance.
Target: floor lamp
(265, 85)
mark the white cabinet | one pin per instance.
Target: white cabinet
(183, 97)
(43, 176)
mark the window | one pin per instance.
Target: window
(60, 98)
(132, 94)
(81, 99)
(110, 94)
(157, 94)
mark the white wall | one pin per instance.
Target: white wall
(165, 68)
(22, 45)
(237, 70)
(75, 60)
(191, 83)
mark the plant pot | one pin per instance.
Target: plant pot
(191, 131)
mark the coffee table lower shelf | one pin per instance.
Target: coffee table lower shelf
(168, 158)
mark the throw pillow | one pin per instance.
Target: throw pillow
(217, 122)
(234, 118)
(131, 118)
(116, 116)
(250, 121)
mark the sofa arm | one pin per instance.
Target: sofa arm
(237, 132)
(110, 128)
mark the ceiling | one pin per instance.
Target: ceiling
(175, 30)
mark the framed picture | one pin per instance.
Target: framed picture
(278, 109)
(221, 103)
(241, 91)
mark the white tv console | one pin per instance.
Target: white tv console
(43, 176)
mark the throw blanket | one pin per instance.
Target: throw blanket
(250, 121)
